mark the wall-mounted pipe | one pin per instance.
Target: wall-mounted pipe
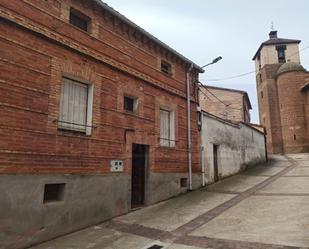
(189, 127)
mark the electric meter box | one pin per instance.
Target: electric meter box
(116, 165)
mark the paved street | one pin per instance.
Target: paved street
(264, 207)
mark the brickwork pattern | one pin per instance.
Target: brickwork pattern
(233, 108)
(39, 46)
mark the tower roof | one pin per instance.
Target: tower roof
(290, 67)
(274, 40)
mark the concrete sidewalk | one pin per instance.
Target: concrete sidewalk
(264, 207)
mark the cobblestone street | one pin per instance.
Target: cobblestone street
(264, 207)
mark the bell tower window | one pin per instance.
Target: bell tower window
(281, 53)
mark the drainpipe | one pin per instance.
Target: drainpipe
(189, 127)
(203, 152)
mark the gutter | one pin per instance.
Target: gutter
(189, 126)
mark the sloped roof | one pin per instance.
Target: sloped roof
(275, 41)
(144, 32)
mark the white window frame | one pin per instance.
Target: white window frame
(170, 140)
(89, 107)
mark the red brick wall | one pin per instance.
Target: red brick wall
(233, 107)
(38, 46)
(282, 109)
(269, 107)
(292, 110)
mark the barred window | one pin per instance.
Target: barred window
(75, 106)
(167, 129)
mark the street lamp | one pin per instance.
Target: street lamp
(213, 61)
(200, 123)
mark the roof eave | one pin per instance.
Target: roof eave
(268, 44)
(150, 36)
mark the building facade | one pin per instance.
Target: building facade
(228, 148)
(229, 104)
(282, 95)
(93, 121)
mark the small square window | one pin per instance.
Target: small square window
(130, 104)
(53, 192)
(166, 68)
(79, 20)
(183, 182)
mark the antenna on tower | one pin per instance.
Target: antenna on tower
(272, 26)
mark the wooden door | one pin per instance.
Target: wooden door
(215, 156)
(139, 164)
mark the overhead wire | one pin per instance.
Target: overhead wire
(251, 72)
(216, 97)
(233, 77)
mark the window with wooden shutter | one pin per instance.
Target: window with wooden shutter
(75, 105)
(167, 130)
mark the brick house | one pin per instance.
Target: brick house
(226, 103)
(93, 121)
(282, 95)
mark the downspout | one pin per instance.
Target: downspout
(189, 127)
(203, 152)
(265, 141)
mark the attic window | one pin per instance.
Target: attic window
(79, 20)
(166, 68)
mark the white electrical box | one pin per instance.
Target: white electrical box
(116, 165)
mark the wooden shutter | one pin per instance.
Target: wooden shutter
(164, 127)
(73, 105)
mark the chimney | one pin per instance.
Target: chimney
(273, 34)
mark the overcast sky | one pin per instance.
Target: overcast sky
(204, 29)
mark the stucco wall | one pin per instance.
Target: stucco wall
(25, 219)
(238, 146)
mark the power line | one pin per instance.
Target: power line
(251, 72)
(216, 97)
(232, 77)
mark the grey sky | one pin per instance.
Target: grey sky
(203, 29)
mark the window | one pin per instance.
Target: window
(167, 129)
(183, 182)
(262, 94)
(166, 68)
(53, 192)
(79, 20)
(130, 104)
(259, 61)
(260, 75)
(75, 106)
(281, 53)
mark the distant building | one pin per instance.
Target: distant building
(282, 87)
(229, 104)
